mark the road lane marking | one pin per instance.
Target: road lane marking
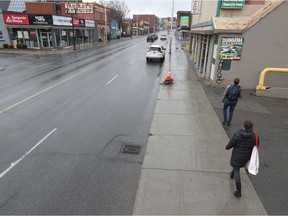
(112, 79)
(32, 96)
(132, 61)
(28, 152)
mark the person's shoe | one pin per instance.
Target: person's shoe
(237, 194)
(224, 122)
(229, 124)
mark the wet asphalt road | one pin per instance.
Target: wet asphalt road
(64, 121)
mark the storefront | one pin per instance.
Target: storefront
(49, 31)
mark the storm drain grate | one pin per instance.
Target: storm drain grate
(131, 149)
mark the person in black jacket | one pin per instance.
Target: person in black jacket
(242, 143)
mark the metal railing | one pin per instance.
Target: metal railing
(263, 73)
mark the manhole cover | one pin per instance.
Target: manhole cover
(131, 149)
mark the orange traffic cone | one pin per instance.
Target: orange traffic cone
(168, 79)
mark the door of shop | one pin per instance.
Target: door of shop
(46, 39)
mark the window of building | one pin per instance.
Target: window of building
(1, 35)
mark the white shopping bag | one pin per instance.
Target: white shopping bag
(253, 164)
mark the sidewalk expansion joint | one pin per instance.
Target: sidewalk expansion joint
(188, 170)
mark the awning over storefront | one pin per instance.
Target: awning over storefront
(234, 24)
(30, 26)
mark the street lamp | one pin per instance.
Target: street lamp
(73, 29)
(171, 27)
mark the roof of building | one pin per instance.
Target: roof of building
(242, 24)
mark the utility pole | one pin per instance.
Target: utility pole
(137, 25)
(105, 24)
(171, 27)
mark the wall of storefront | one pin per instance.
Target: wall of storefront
(49, 31)
(265, 45)
(4, 33)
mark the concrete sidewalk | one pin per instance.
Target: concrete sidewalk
(186, 169)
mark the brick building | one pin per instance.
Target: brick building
(50, 24)
(150, 21)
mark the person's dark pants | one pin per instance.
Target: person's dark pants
(231, 106)
(237, 174)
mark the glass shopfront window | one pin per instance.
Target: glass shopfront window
(33, 40)
(61, 36)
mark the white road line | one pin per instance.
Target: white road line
(112, 79)
(23, 156)
(32, 96)
(132, 61)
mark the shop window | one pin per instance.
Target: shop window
(58, 9)
(1, 35)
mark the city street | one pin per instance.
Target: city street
(65, 121)
(68, 122)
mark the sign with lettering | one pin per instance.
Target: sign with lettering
(62, 20)
(231, 48)
(40, 19)
(195, 7)
(89, 23)
(79, 8)
(78, 22)
(16, 19)
(232, 4)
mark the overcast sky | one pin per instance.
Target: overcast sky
(160, 8)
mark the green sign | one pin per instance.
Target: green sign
(232, 4)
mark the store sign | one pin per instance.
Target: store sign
(61, 20)
(89, 23)
(33, 32)
(195, 7)
(40, 19)
(231, 48)
(16, 19)
(79, 7)
(232, 4)
(78, 22)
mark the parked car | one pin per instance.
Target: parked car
(163, 37)
(155, 36)
(155, 52)
(150, 38)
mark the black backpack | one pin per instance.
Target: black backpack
(233, 92)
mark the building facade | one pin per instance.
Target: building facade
(52, 24)
(240, 40)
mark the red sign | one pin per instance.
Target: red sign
(33, 32)
(76, 21)
(16, 19)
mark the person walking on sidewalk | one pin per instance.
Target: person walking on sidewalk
(230, 99)
(242, 143)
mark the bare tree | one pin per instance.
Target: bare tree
(117, 10)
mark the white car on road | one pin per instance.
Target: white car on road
(155, 52)
(163, 37)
